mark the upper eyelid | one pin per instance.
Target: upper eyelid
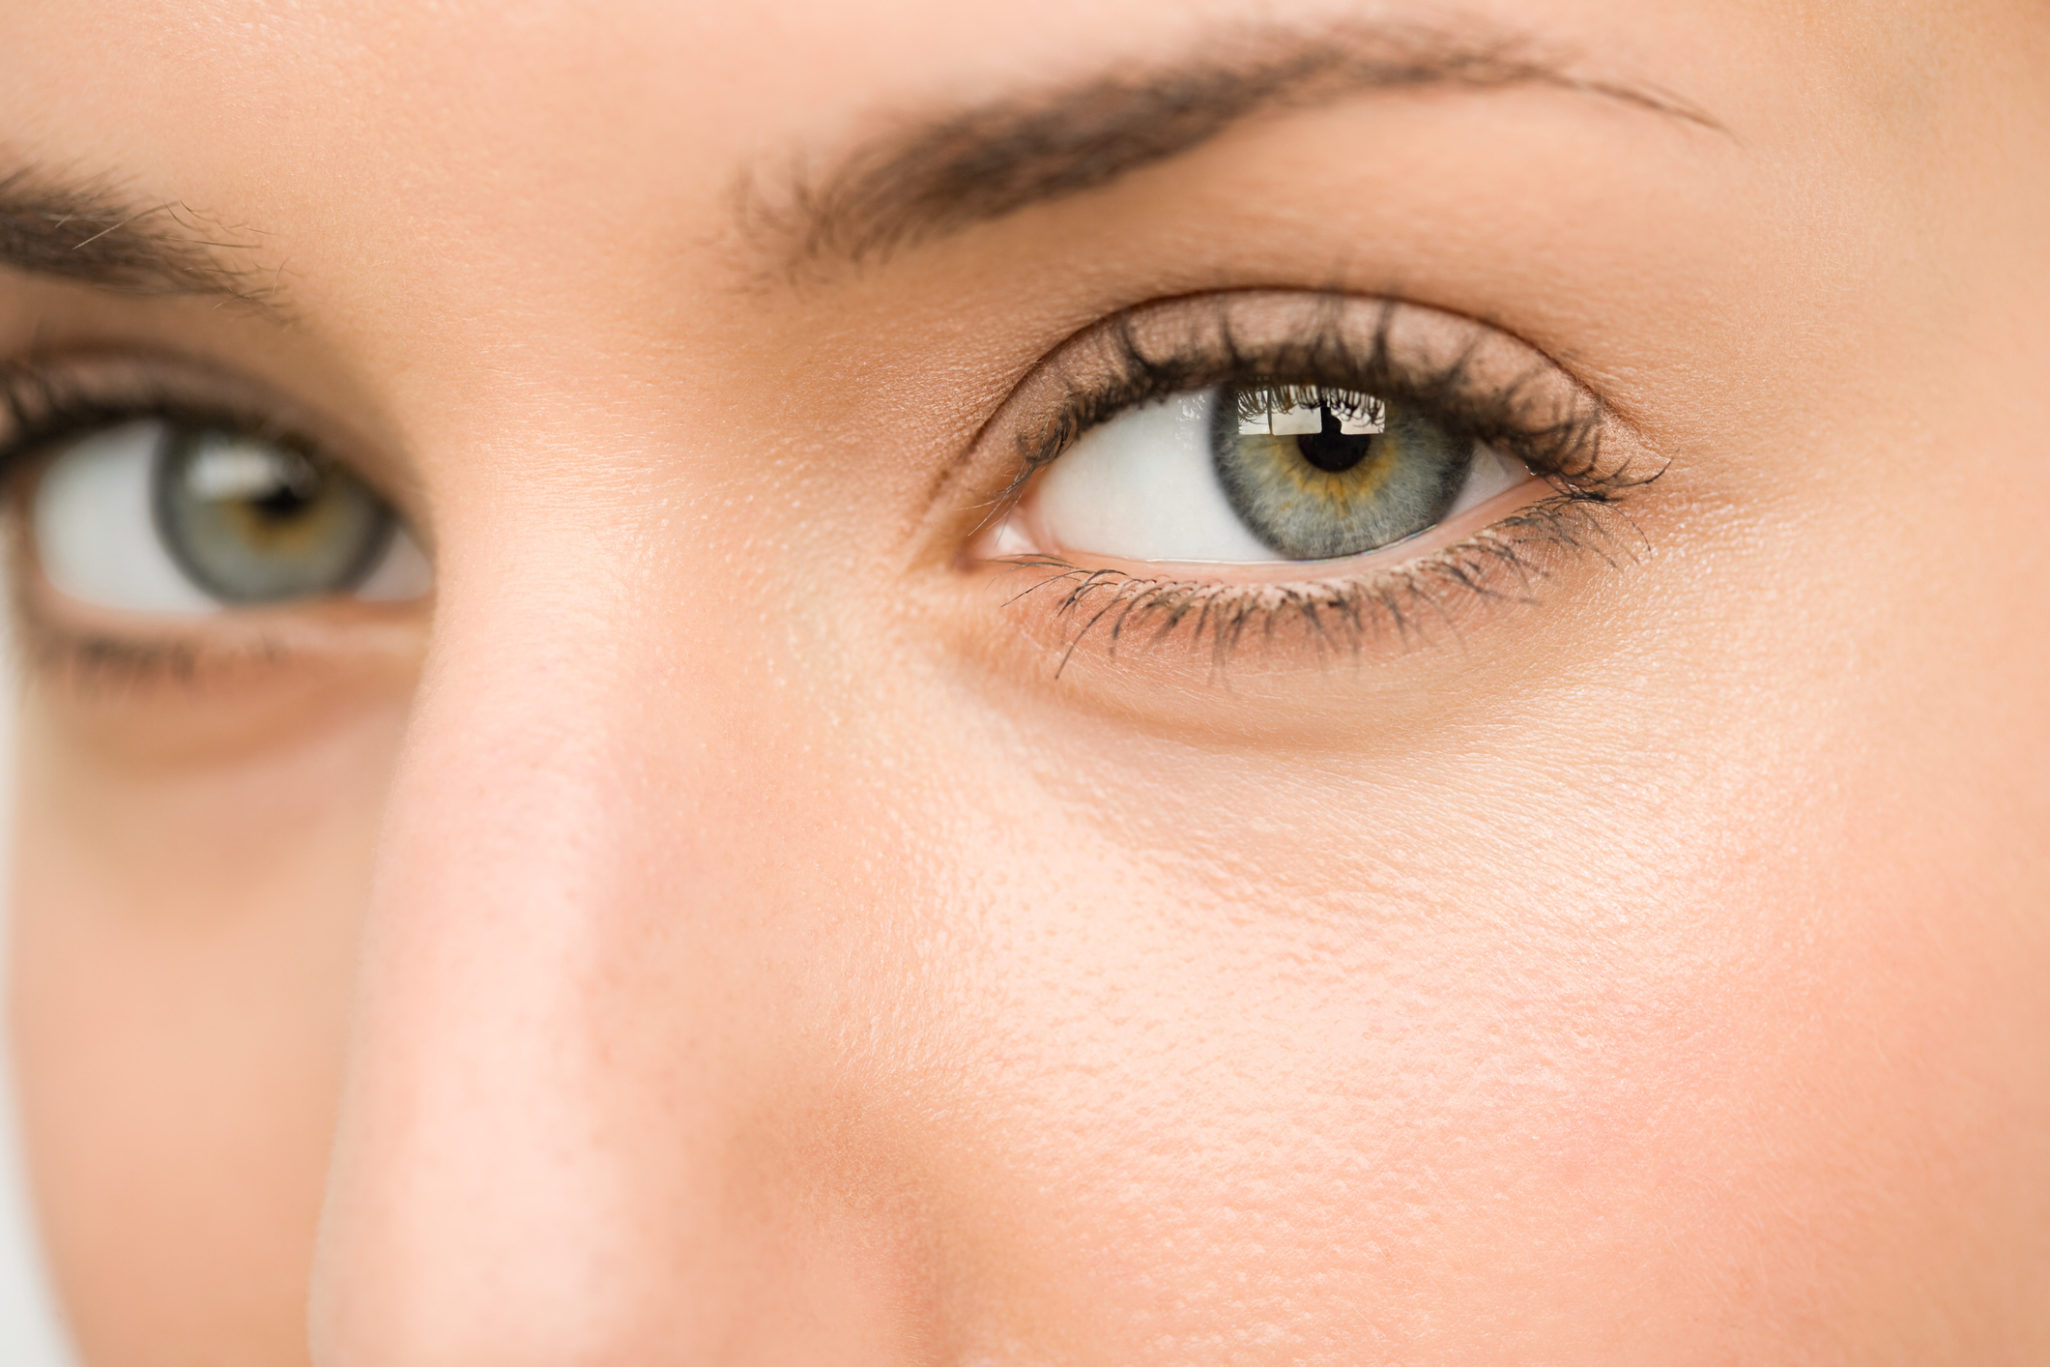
(45, 393)
(114, 383)
(1316, 341)
(1219, 331)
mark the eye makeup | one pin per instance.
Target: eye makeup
(1460, 468)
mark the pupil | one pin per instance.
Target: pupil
(297, 489)
(282, 503)
(1330, 450)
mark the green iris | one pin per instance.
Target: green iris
(254, 521)
(1317, 473)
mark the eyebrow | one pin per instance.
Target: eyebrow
(89, 233)
(940, 175)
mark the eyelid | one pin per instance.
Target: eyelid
(1493, 385)
(93, 648)
(238, 687)
(1394, 598)
(48, 396)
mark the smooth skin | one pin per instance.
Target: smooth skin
(717, 933)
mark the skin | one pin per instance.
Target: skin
(717, 934)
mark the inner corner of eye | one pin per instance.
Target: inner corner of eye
(1009, 535)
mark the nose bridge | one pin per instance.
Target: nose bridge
(494, 1160)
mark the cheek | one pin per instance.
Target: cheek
(183, 933)
(1126, 1051)
(1321, 1070)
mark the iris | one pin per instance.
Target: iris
(1317, 473)
(256, 521)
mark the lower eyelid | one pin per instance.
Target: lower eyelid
(92, 652)
(1390, 602)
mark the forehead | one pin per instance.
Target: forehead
(412, 167)
(562, 110)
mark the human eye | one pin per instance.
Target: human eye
(1343, 464)
(1265, 471)
(155, 521)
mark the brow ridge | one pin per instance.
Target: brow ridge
(939, 175)
(91, 234)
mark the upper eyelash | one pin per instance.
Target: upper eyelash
(1562, 443)
(42, 407)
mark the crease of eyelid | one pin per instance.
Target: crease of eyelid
(938, 174)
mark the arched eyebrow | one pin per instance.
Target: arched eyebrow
(86, 232)
(938, 175)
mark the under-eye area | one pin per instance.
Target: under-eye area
(1308, 472)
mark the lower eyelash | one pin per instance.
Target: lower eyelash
(1505, 561)
(103, 665)
(108, 664)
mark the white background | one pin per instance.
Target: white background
(29, 1336)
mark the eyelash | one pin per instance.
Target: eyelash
(1505, 561)
(1561, 442)
(42, 406)
(1336, 615)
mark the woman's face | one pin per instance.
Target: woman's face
(1104, 682)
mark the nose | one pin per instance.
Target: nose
(566, 1053)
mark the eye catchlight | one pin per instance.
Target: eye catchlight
(1298, 410)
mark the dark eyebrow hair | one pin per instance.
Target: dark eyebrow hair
(89, 233)
(938, 175)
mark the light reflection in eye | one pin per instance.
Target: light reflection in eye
(250, 520)
(1298, 410)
